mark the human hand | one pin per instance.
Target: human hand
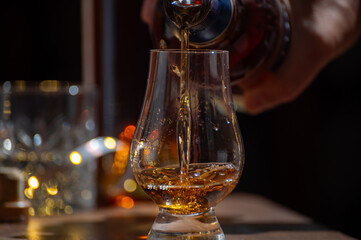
(147, 11)
(321, 31)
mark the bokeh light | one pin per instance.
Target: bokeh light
(110, 143)
(68, 210)
(122, 153)
(49, 85)
(130, 185)
(31, 211)
(121, 159)
(73, 90)
(7, 144)
(33, 182)
(124, 201)
(75, 158)
(29, 193)
(86, 194)
(154, 135)
(52, 190)
(129, 132)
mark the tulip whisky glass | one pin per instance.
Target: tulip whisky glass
(187, 152)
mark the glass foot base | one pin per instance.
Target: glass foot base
(182, 227)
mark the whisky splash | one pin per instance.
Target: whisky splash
(205, 186)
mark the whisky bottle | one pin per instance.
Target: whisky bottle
(255, 32)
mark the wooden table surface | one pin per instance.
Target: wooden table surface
(242, 217)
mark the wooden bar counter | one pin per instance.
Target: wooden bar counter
(242, 217)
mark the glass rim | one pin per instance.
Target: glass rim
(192, 51)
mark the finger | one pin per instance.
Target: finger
(304, 59)
(270, 93)
(300, 67)
(275, 88)
(311, 48)
(148, 11)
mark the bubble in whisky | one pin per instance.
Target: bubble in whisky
(204, 186)
(175, 69)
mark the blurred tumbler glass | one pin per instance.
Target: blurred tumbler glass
(41, 123)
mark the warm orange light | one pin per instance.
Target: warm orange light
(124, 201)
(154, 135)
(122, 153)
(129, 132)
(121, 158)
(143, 237)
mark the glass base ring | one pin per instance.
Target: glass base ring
(182, 227)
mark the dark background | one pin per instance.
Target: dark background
(305, 154)
(40, 40)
